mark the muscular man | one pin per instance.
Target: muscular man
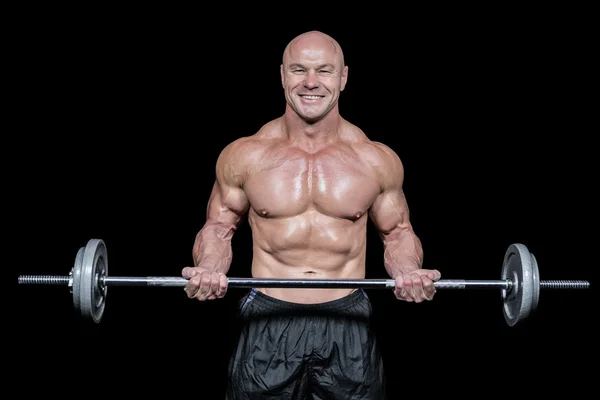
(307, 182)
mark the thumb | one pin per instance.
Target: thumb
(188, 272)
(434, 274)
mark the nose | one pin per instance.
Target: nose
(311, 81)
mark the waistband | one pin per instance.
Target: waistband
(271, 303)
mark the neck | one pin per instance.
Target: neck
(312, 135)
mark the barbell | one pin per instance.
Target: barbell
(88, 282)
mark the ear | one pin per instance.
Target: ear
(344, 78)
(282, 75)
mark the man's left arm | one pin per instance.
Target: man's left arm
(403, 250)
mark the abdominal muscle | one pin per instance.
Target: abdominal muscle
(308, 246)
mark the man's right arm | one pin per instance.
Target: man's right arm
(212, 252)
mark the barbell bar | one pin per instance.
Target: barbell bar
(88, 282)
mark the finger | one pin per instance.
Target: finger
(213, 292)
(428, 289)
(400, 281)
(192, 287)
(222, 285)
(417, 288)
(428, 295)
(399, 291)
(402, 294)
(408, 287)
(204, 289)
(214, 285)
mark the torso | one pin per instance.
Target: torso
(309, 212)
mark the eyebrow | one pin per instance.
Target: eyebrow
(298, 65)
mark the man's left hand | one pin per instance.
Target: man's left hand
(416, 286)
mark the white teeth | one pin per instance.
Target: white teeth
(311, 97)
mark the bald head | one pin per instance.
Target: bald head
(313, 74)
(313, 43)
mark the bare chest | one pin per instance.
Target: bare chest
(339, 185)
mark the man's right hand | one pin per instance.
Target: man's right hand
(204, 284)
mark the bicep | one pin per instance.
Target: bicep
(226, 204)
(218, 210)
(390, 213)
(228, 201)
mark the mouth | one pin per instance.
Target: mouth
(310, 97)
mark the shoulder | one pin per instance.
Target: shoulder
(246, 148)
(386, 164)
(389, 158)
(239, 150)
(236, 157)
(376, 154)
(382, 159)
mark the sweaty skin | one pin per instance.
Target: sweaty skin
(308, 182)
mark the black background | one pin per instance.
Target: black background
(117, 119)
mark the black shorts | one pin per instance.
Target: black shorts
(306, 351)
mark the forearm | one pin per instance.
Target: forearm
(212, 247)
(403, 252)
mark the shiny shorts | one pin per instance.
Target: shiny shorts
(306, 351)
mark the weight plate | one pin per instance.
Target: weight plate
(76, 278)
(535, 273)
(92, 294)
(519, 268)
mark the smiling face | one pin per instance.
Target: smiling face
(313, 75)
